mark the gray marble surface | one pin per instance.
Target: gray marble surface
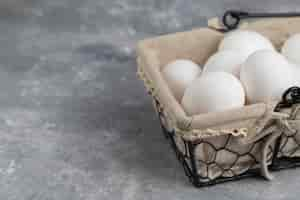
(75, 123)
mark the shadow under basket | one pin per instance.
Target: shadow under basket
(229, 145)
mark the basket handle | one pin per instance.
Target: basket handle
(290, 97)
(231, 18)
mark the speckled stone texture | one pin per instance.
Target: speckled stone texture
(75, 123)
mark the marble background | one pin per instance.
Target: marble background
(75, 123)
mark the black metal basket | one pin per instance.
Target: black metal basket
(201, 157)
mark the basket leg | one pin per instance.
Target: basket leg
(195, 177)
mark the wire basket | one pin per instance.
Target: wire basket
(212, 148)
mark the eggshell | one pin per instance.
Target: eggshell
(213, 91)
(291, 49)
(265, 76)
(296, 73)
(179, 74)
(245, 42)
(227, 61)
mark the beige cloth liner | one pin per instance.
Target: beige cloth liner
(251, 121)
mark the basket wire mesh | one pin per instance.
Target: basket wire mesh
(283, 153)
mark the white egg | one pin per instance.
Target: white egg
(225, 61)
(213, 91)
(291, 49)
(296, 73)
(265, 76)
(245, 42)
(179, 74)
